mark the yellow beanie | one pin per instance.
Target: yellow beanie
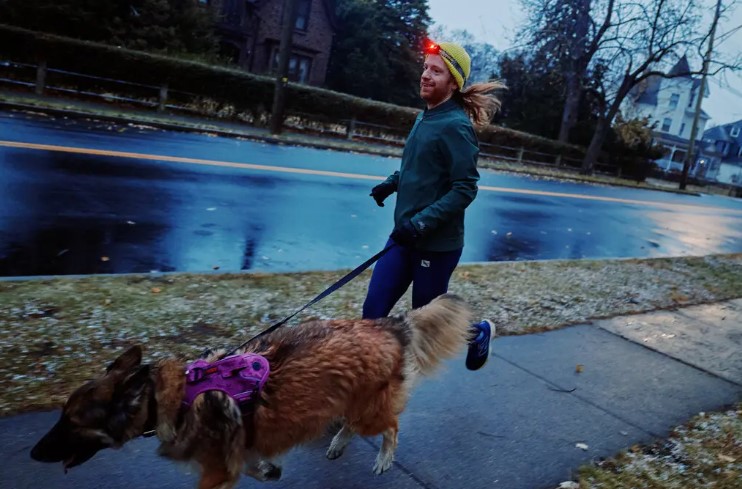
(457, 60)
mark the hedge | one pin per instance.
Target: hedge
(246, 91)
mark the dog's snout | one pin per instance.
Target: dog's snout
(44, 451)
(52, 446)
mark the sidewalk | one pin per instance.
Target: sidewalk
(513, 425)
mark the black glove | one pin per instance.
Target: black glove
(405, 235)
(381, 192)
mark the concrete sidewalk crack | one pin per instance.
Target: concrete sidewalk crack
(569, 392)
(667, 355)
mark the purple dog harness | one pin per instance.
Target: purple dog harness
(242, 377)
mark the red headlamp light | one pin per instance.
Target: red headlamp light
(432, 48)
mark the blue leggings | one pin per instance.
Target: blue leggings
(428, 271)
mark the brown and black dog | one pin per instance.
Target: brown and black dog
(357, 371)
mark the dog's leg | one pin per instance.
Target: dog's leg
(386, 454)
(216, 478)
(339, 442)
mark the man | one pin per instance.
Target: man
(435, 184)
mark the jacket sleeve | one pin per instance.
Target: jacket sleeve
(458, 146)
(393, 179)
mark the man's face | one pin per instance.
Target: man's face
(436, 82)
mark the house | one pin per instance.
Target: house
(726, 141)
(670, 104)
(250, 33)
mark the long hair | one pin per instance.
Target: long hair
(478, 102)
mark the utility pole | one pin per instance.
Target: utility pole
(701, 89)
(282, 76)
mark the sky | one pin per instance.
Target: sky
(497, 21)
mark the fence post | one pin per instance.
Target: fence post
(40, 77)
(558, 161)
(350, 128)
(163, 98)
(520, 155)
(618, 173)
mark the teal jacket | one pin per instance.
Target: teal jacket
(438, 176)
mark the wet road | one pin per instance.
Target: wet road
(239, 205)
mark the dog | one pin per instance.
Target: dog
(357, 372)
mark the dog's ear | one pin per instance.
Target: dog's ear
(133, 386)
(127, 361)
(128, 403)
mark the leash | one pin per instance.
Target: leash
(332, 288)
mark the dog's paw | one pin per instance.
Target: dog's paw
(383, 464)
(264, 471)
(272, 472)
(334, 452)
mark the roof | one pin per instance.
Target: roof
(646, 91)
(672, 138)
(717, 133)
(681, 69)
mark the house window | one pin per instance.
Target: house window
(674, 98)
(232, 12)
(734, 132)
(666, 123)
(682, 129)
(302, 14)
(678, 156)
(299, 67)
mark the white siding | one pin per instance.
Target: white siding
(681, 114)
(729, 173)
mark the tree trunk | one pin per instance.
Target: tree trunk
(571, 106)
(596, 144)
(604, 125)
(580, 13)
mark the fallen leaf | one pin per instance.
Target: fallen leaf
(726, 458)
(156, 290)
(104, 258)
(569, 485)
(582, 446)
(215, 267)
(130, 223)
(579, 368)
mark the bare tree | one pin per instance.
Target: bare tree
(567, 30)
(627, 41)
(642, 40)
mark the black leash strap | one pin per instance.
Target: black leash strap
(332, 288)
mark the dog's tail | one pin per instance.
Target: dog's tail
(439, 330)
